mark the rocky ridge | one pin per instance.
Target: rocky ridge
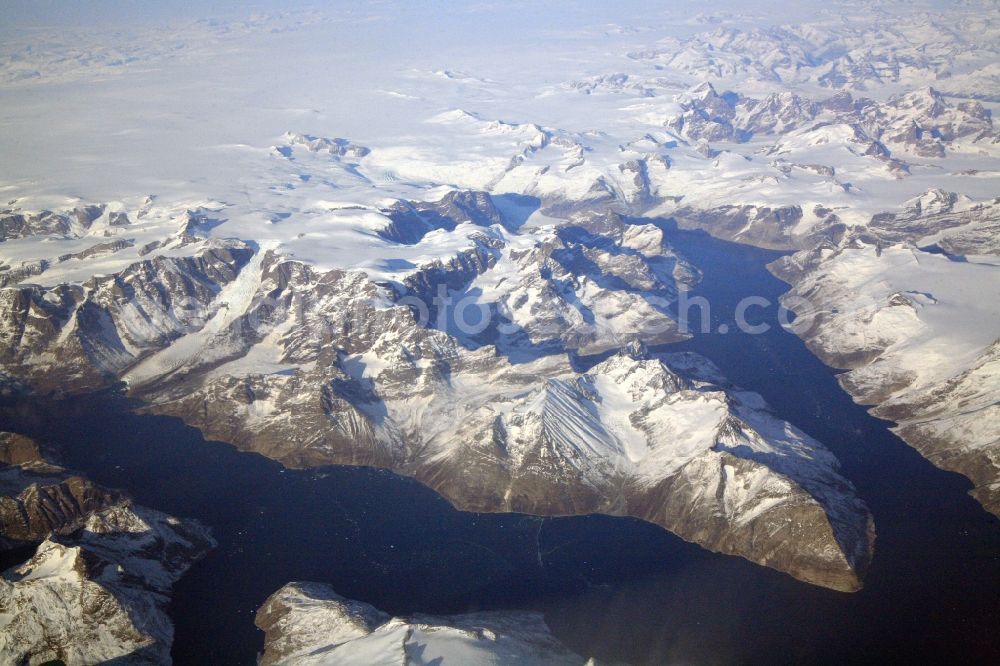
(97, 587)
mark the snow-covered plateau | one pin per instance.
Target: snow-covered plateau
(316, 236)
(909, 307)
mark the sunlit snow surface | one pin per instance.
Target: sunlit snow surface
(300, 131)
(295, 128)
(191, 110)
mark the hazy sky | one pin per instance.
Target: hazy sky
(22, 13)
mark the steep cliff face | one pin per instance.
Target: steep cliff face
(49, 504)
(954, 424)
(38, 498)
(17, 449)
(77, 336)
(309, 623)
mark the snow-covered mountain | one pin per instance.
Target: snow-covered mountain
(883, 49)
(309, 623)
(920, 123)
(97, 587)
(451, 262)
(633, 436)
(917, 330)
(313, 366)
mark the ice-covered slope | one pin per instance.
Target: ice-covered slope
(310, 624)
(828, 112)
